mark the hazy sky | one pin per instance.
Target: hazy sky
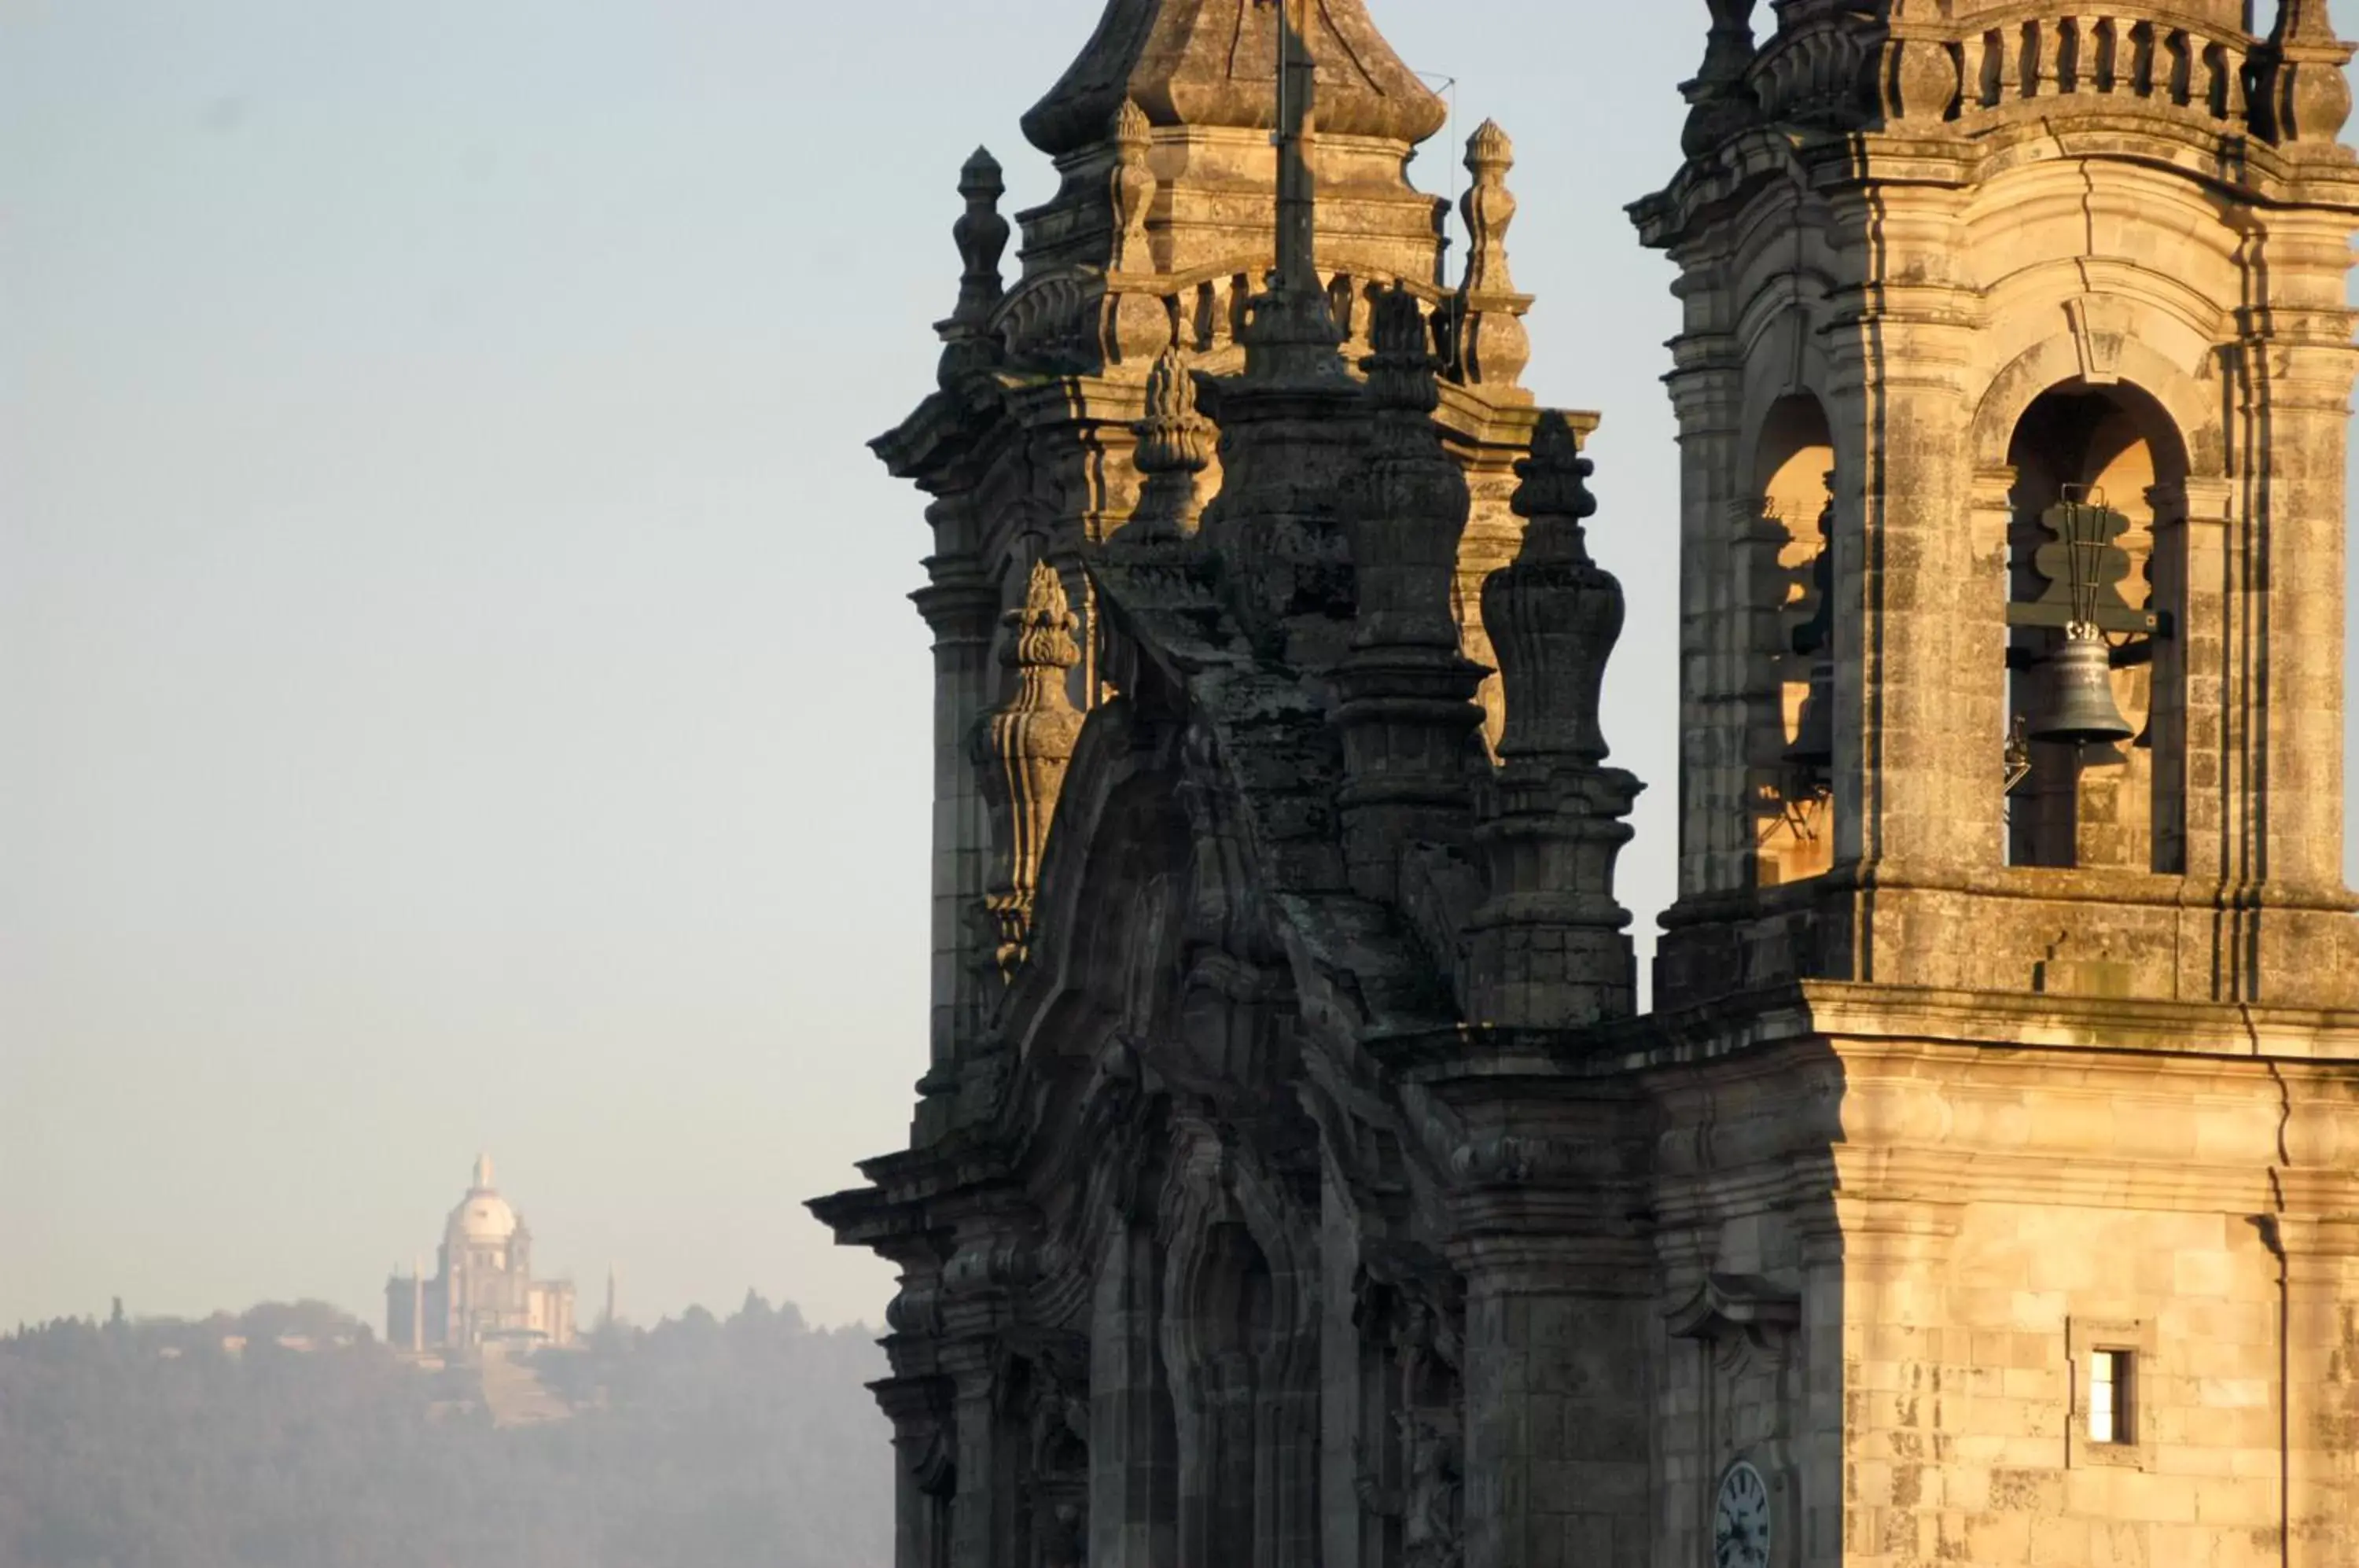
(456, 686)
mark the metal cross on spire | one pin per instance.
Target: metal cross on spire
(1292, 329)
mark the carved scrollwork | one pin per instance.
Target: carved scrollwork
(917, 1310)
(1510, 1159)
(990, 1263)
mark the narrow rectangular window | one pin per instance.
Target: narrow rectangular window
(2110, 1376)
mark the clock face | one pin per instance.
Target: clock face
(1740, 1525)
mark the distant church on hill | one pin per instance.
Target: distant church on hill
(483, 1288)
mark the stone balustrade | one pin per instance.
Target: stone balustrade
(1834, 67)
(2026, 52)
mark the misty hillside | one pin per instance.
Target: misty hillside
(290, 1437)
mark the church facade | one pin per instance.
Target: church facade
(1295, 1180)
(483, 1288)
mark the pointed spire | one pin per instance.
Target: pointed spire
(1290, 333)
(1027, 745)
(1209, 63)
(1175, 447)
(483, 1173)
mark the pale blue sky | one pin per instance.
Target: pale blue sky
(456, 687)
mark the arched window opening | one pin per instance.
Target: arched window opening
(1791, 645)
(2090, 536)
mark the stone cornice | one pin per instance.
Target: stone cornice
(1732, 174)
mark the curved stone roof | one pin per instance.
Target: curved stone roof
(482, 1215)
(1213, 62)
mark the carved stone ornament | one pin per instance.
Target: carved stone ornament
(1723, 104)
(1513, 1161)
(1175, 447)
(981, 235)
(1554, 614)
(1923, 81)
(1726, 1304)
(1027, 745)
(1131, 190)
(1405, 532)
(2302, 95)
(1489, 343)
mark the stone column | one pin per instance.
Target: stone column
(1990, 514)
(919, 1410)
(983, 1509)
(981, 1286)
(2299, 361)
(1707, 393)
(962, 607)
(1916, 704)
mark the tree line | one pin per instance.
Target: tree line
(699, 1442)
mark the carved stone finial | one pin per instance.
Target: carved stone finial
(1553, 497)
(1175, 446)
(1489, 346)
(1407, 710)
(1721, 104)
(981, 235)
(2302, 95)
(1488, 208)
(1401, 370)
(1553, 615)
(1027, 743)
(1549, 948)
(1132, 187)
(2304, 22)
(1411, 505)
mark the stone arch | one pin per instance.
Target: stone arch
(2113, 438)
(2193, 405)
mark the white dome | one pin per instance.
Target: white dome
(484, 1216)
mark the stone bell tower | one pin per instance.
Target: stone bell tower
(1944, 266)
(2011, 1172)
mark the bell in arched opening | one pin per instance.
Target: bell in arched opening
(1814, 728)
(2078, 708)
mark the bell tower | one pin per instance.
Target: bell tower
(2008, 1171)
(2012, 391)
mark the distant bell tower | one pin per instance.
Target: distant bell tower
(2011, 1179)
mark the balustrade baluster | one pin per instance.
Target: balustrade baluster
(2141, 73)
(2037, 63)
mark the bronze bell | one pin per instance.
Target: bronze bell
(1814, 727)
(2080, 708)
